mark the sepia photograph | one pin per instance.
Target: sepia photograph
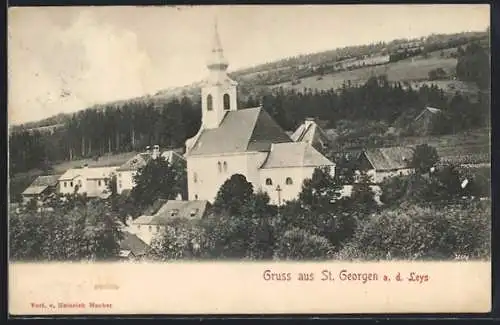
(250, 143)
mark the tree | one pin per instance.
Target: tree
(474, 65)
(299, 244)
(424, 157)
(320, 191)
(362, 198)
(233, 194)
(158, 179)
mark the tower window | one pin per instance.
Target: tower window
(219, 166)
(289, 181)
(225, 166)
(227, 104)
(210, 103)
(269, 181)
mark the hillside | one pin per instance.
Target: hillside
(330, 69)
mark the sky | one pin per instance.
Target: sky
(64, 59)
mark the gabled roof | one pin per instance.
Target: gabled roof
(174, 209)
(40, 184)
(88, 173)
(141, 160)
(130, 243)
(428, 109)
(250, 129)
(391, 158)
(310, 132)
(295, 154)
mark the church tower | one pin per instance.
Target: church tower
(218, 94)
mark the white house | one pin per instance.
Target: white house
(382, 163)
(153, 222)
(90, 180)
(232, 141)
(125, 173)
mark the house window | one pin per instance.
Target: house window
(219, 166)
(269, 181)
(289, 181)
(65, 184)
(157, 228)
(99, 183)
(174, 212)
(71, 184)
(150, 228)
(209, 103)
(227, 104)
(225, 167)
(400, 173)
(195, 177)
(194, 212)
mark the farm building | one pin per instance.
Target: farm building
(126, 172)
(153, 221)
(310, 132)
(93, 181)
(424, 123)
(381, 163)
(41, 187)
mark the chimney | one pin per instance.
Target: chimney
(156, 151)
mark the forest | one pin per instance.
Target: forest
(133, 125)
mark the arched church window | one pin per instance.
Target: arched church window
(219, 165)
(269, 181)
(289, 181)
(210, 103)
(225, 166)
(227, 104)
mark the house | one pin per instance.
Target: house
(424, 123)
(125, 173)
(240, 141)
(153, 222)
(381, 163)
(311, 132)
(132, 247)
(41, 187)
(93, 181)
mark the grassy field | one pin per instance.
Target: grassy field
(416, 69)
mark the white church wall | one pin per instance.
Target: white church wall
(279, 176)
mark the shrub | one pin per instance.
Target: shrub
(299, 244)
(424, 233)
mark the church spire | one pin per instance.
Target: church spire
(217, 60)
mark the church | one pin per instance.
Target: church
(243, 141)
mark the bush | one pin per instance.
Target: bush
(424, 233)
(298, 244)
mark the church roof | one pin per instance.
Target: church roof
(295, 154)
(250, 129)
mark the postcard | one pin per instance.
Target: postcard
(231, 159)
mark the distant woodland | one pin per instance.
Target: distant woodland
(131, 125)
